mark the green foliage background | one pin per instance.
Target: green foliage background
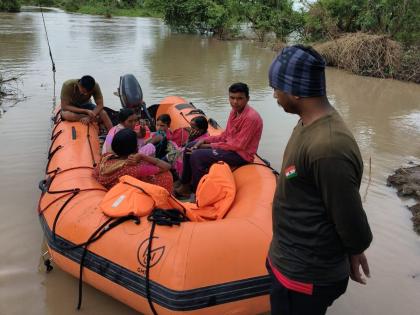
(315, 20)
(10, 5)
(399, 19)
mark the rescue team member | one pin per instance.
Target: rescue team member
(76, 101)
(320, 230)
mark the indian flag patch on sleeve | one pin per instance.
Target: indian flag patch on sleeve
(290, 172)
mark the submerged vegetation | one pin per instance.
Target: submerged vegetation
(9, 89)
(376, 38)
(8, 86)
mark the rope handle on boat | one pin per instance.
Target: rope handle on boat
(54, 136)
(166, 217)
(266, 163)
(51, 153)
(90, 146)
(50, 156)
(96, 235)
(47, 261)
(57, 118)
(45, 184)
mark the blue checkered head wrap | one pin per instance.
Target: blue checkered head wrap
(299, 71)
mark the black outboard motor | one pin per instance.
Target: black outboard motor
(131, 96)
(130, 92)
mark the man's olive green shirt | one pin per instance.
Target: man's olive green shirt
(318, 217)
(71, 94)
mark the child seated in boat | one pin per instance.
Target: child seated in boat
(125, 160)
(128, 119)
(160, 138)
(197, 131)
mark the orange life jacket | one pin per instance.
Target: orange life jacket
(215, 194)
(135, 197)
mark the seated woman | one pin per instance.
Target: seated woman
(128, 119)
(197, 131)
(126, 161)
(160, 138)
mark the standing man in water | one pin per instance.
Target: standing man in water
(76, 105)
(320, 230)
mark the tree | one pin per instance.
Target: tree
(275, 16)
(10, 5)
(284, 20)
(204, 16)
(399, 19)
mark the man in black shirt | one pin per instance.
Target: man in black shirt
(320, 230)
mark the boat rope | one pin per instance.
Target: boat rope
(90, 146)
(45, 184)
(275, 172)
(56, 118)
(55, 136)
(57, 122)
(50, 156)
(49, 48)
(51, 153)
(96, 235)
(99, 232)
(185, 118)
(166, 217)
(268, 164)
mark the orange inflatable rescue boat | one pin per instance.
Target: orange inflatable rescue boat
(166, 262)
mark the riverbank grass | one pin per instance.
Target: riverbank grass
(369, 55)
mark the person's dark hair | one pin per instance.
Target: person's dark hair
(239, 88)
(201, 122)
(124, 142)
(87, 82)
(165, 118)
(124, 114)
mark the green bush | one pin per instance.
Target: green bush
(72, 5)
(203, 16)
(399, 19)
(10, 5)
